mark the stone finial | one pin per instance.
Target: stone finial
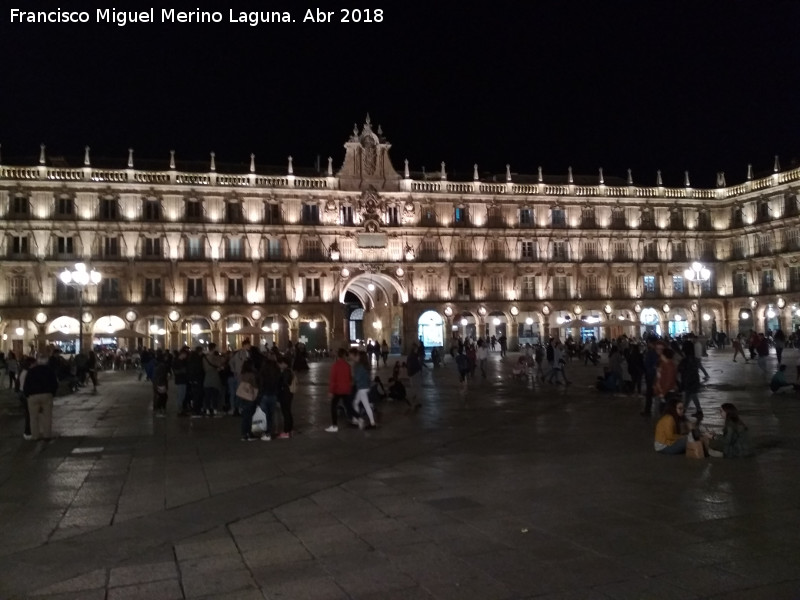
(406, 172)
(777, 165)
(686, 181)
(130, 158)
(291, 167)
(355, 130)
(541, 177)
(252, 163)
(380, 131)
(213, 161)
(86, 160)
(630, 177)
(570, 179)
(443, 173)
(475, 172)
(749, 172)
(659, 181)
(172, 159)
(42, 158)
(721, 179)
(367, 121)
(330, 167)
(602, 180)
(508, 172)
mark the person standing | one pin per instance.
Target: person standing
(41, 385)
(340, 385)
(213, 363)
(414, 369)
(269, 382)
(285, 396)
(160, 381)
(180, 374)
(247, 375)
(25, 366)
(237, 360)
(650, 361)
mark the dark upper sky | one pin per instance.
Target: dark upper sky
(655, 84)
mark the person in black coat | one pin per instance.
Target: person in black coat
(41, 385)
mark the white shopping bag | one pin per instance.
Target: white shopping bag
(259, 421)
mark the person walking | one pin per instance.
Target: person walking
(414, 368)
(462, 364)
(286, 386)
(91, 369)
(762, 350)
(340, 385)
(41, 385)
(688, 369)
(384, 352)
(738, 348)
(12, 368)
(362, 381)
(482, 354)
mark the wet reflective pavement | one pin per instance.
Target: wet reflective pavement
(523, 490)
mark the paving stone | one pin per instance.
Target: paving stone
(156, 590)
(144, 573)
(503, 500)
(90, 581)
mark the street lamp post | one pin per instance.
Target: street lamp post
(698, 274)
(79, 278)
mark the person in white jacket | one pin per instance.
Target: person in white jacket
(482, 354)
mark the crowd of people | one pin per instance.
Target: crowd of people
(251, 381)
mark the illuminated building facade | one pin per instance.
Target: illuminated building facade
(198, 255)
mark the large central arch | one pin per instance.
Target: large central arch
(360, 286)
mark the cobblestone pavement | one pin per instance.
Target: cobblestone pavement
(523, 490)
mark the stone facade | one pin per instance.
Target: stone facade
(192, 257)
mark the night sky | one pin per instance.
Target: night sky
(671, 85)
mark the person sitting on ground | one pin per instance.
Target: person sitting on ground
(668, 438)
(734, 442)
(376, 391)
(606, 382)
(521, 368)
(397, 391)
(778, 381)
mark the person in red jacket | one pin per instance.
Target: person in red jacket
(340, 388)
